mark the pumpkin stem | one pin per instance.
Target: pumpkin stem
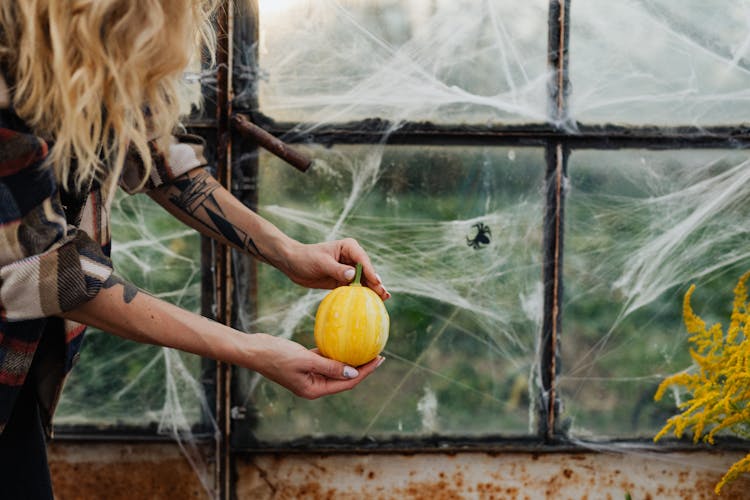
(358, 276)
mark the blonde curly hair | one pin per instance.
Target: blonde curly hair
(99, 77)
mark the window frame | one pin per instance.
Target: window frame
(559, 136)
(236, 164)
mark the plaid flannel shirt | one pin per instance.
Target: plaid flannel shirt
(54, 254)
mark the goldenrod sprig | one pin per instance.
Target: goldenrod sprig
(720, 383)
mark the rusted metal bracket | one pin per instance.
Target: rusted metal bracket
(271, 143)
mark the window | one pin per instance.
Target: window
(123, 384)
(596, 176)
(640, 227)
(461, 349)
(536, 193)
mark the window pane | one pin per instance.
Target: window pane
(444, 61)
(640, 228)
(661, 62)
(118, 382)
(464, 320)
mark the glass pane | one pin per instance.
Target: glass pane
(443, 61)
(640, 228)
(660, 62)
(465, 310)
(117, 382)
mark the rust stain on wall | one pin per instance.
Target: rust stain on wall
(155, 471)
(435, 476)
(122, 471)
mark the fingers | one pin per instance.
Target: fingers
(370, 367)
(376, 284)
(351, 251)
(342, 378)
(333, 369)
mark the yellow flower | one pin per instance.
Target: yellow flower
(719, 386)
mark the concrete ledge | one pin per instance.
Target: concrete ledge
(117, 470)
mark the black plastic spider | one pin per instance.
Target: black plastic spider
(482, 237)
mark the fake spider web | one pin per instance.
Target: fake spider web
(640, 225)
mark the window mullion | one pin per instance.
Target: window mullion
(556, 157)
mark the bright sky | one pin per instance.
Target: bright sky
(275, 6)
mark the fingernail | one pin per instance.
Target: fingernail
(380, 361)
(350, 372)
(349, 274)
(380, 280)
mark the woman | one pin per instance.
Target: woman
(86, 85)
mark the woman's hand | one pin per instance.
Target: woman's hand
(331, 264)
(305, 372)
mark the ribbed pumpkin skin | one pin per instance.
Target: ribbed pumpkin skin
(351, 325)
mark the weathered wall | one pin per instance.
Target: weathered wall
(112, 471)
(488, 476)
(156, 471)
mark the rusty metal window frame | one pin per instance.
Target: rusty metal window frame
(557, 141)
(238, 29)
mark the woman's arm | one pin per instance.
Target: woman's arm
(198, 200)
(122, 309)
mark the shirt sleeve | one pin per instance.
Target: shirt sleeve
(46, 265)
(182, 153)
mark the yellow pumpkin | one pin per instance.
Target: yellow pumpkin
(351, 324)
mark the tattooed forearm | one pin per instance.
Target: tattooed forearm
(235, 236)
(129, 290)
(194, 195)
(194, 192)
